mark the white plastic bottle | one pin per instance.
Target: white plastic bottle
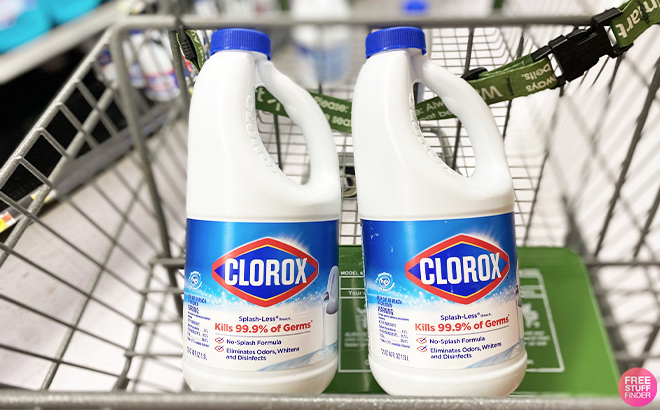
(206, 8)
(262, 250)
(439, 248)
(109, 69)
(155, 60)
(324, 53)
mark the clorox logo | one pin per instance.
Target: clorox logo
(462, 269)
(265, 272)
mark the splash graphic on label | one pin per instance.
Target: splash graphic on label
(265, 272)
(462, 269)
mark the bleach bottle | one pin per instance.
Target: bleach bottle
(443, 300)
(260, 311)
(109, 68)
(154, 58)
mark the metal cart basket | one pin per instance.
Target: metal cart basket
(91, 241)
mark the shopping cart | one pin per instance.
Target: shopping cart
(92, 244)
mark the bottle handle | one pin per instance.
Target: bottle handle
(303, 110)
(463, 100)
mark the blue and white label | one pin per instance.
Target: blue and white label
(443, 294)
(260, 296)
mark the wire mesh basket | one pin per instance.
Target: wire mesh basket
(93, 207)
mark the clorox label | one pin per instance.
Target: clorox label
(265, 272)
(462, 269)
(443, 294)
(260, 296)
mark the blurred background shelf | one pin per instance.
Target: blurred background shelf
(58, 40)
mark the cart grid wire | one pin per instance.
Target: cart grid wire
(93, 242)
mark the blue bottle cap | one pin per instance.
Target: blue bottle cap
(415, 7)
(393, 38)
(240, 39)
